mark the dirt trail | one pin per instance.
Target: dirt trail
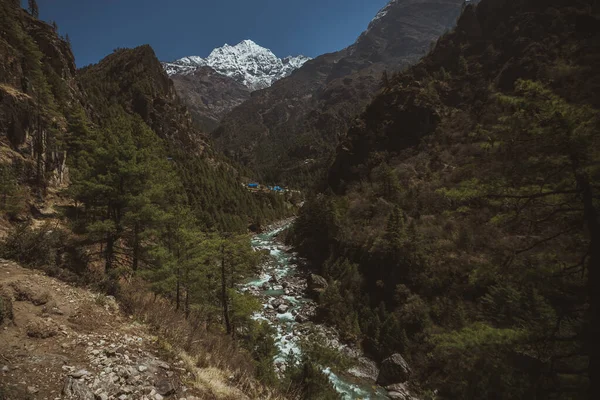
(64, 342)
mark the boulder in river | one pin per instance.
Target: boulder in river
(282, 308)
(365, 369)
(399, 391)
(316, 284)
(394, 370)
(277, 302)
(300, 318)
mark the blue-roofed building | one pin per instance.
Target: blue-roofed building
(253, 185)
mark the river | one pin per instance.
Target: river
(282, 289)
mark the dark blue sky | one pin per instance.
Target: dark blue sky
(177, 28)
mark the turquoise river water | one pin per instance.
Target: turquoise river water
(287, 327)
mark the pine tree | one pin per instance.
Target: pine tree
(33, 8)
(123, 180)
(236, 258)
(395, 230)
(390, 185)
(385, 82)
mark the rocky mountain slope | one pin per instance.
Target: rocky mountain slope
(213, 86)
(37, 86)
(462, 207)
(59, 341)
(287, 131)
(209, 95)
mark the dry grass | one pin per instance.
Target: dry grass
(14, 92)
(23, 292)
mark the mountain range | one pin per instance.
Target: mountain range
(288, 131)
(247, 63)
(213, 86)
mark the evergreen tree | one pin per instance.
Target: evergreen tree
(305, 377)
(395, 230)
(122, 180)
(385, 82)
(236, 258)
(33, 8)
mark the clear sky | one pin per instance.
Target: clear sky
(178, 28)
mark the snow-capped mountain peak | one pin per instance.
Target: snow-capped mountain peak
(246, 62)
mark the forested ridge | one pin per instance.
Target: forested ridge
(458, 223)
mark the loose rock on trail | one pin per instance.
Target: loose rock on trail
(63, 342)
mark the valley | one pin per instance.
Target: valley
(412, 212)
(283, 287)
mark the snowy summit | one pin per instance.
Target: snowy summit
(248, 63)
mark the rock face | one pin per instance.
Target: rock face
(247, 63)
(394, 370)
(365, 369)
(289, 129)
(77, 389)
(31, 50)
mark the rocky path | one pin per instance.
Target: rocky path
(62, 342)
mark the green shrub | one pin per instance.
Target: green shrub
(35, 247)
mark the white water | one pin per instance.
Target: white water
(288, 335)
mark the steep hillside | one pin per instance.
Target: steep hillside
(459, 224)
(134, 80)
(37, 90)
(130, 84)
(85, 346)
(61, 341)
(209, 95)
(288, 130)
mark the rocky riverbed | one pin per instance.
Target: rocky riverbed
(283, 286)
